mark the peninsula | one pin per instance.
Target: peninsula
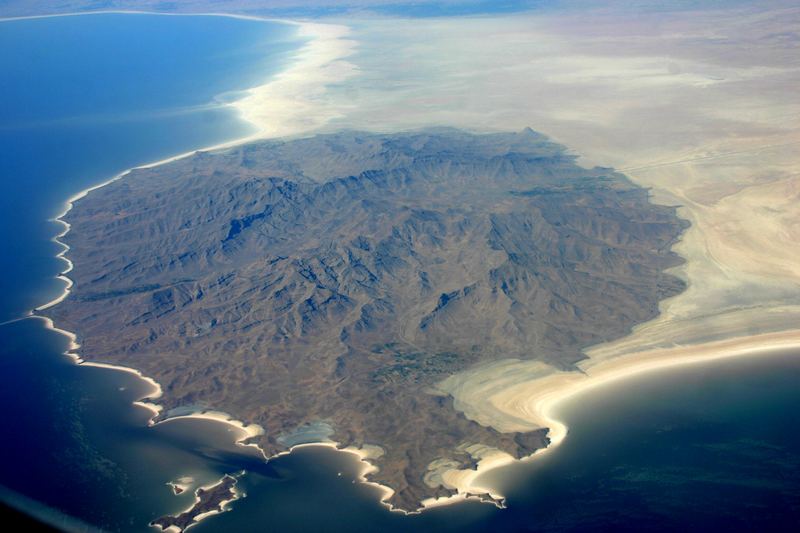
(324, 287)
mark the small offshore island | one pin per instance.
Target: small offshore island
(208, 501)
(322, 288)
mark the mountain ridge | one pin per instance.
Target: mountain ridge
(339, 278)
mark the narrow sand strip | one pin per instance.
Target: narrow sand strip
(245, 431)
(223, 505)
(280, 107)
(671, 99)
(364, 455)
(133, 12)
(536, 401)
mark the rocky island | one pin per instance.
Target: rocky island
(208, 501)
(323, 287)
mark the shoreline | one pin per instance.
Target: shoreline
(308, 57)
(542, 404)
(368, 452)
(135, 12)
(221, 508)
(280, 107)
(541, 398)
(364, 455)
(325, 47)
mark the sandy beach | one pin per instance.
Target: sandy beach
(364, 455)
(706, 119)
(243, 431)
(319, 61)
(677, 117)
(181, 485)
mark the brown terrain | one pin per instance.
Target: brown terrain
(21, 8)
(336, 280)
(207, 500)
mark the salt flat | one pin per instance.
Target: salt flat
(699, 105)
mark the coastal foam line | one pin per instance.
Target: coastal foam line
(290, 103)
(537, 401)
(223, 505)
(136, 12)
(300, 87)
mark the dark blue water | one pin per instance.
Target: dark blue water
(83, 98)
(701, 448)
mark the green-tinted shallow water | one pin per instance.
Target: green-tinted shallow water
(700, 448)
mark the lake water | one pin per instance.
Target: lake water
(697, 448)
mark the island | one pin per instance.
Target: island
(324, 287)
(208, 501)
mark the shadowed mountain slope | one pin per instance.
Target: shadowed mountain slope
(337, 279)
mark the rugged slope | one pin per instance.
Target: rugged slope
(333, 281)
